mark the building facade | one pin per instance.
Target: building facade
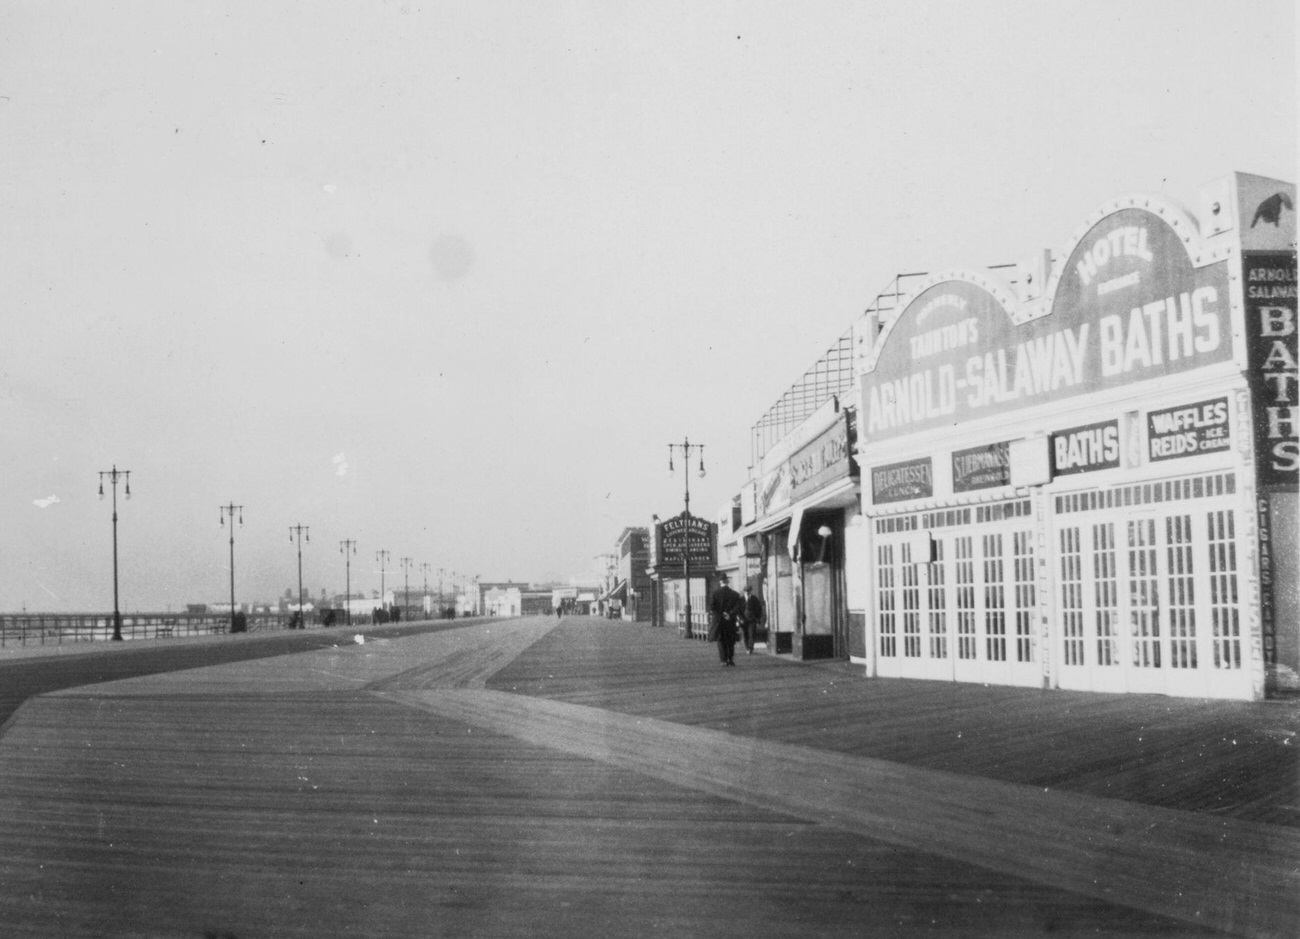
(1069, 488)
(1080, 472)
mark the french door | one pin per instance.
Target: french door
(959, 602)
(1147, 594)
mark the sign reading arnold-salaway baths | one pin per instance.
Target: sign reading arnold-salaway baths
(1130, 307)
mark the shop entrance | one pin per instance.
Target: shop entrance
(956, 595)
(1147, 589)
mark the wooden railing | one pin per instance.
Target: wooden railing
(22, 629)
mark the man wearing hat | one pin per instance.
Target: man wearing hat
(724, 611)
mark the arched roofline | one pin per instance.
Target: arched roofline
(998, 287)
(1199, 251)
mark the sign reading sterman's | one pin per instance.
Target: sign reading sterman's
(1130, 306)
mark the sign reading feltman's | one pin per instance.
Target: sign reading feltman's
(1130, 306)
(683, 536)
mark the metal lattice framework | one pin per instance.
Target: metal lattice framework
(830, 376)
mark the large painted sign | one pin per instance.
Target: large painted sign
(682, 536)
(1271, 334)
(1129, 306)
(827, 459)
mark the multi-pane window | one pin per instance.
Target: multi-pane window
(965, 597)
(1144, 594)
(885, 601)
(995, 605)
(1106, 593)
(938, 605)
(1182, 589)
(1225, 618)
(911, 605)
(1023, 568)
(1072, 597)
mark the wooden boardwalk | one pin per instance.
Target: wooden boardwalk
(520, 778)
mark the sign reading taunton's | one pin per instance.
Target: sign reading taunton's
(1130, 306)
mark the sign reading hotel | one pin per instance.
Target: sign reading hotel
(1188, 430)
(899, 482)
(1130, 306)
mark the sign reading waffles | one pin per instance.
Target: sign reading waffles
(1129, 306)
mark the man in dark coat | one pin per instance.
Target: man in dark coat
(724, 615)
(751, 617)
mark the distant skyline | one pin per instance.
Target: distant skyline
(447, 278)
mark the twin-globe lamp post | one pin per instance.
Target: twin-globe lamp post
(230, 511)
(298, 533)
(347, 548)
(686, 446)
(113, 476)
(381, 558)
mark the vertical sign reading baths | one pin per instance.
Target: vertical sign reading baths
(1274, 377)
(1129, 307)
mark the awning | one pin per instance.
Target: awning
(619, 592)
(796, 526)
(843, 493)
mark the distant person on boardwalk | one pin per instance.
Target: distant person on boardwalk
(559, 607)
(724, 612)
(751, 617)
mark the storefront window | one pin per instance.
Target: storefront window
(995, 604)
(1223, 590)
(1071, 597)
(1144, 605)
(965, 597)
(938, 605)
(1182, 602)
(885, 602)
(1105, 577)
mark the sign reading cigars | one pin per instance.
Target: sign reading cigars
(1129, 307)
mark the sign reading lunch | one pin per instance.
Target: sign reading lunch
(1129, 307)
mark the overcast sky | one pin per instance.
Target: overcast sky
(447, 277)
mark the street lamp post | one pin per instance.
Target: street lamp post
(406, 588)
(381, 557)
(686, 446)
(297, 533)
(231, 511)
(347, 548)
(113, 476)
(425, 567)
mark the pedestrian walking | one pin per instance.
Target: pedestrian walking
(724, 613)
(751, 617)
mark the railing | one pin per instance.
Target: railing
(22, 629)
(699, 622)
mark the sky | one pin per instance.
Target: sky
(447, 278)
